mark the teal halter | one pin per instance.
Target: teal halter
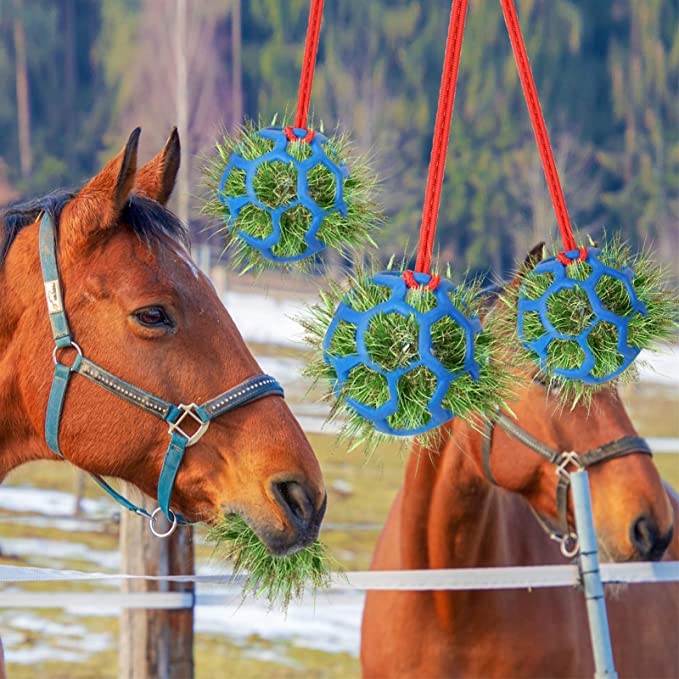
(176, 416)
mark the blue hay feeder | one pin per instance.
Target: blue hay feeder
(562, 281)
(318, 156)
(397, 304)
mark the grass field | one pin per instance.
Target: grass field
(360, 492)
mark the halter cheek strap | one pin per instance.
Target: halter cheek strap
(627, 445)
(179, 418)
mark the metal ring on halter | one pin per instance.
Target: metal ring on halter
(569, 545)
(152, 522)
(72, 345)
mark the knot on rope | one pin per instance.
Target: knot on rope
(572, 256)
(409, 278)
(299, 134)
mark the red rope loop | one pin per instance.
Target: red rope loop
(444, 115)
(539, 127)
(409, 278)
(309, 63)
(566, 260)
(289, 132)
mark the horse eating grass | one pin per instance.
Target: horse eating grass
(137, 304)
(466, 505)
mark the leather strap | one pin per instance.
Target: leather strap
(627, 445)
(251, 389)
(55, 406)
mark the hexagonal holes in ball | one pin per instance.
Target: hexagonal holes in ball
(235, 183)
(579, 271)
(299, 150)
(392, 340)
(322, 186)
(294, 224)
(254, 221)
(367, 296)
(449, 343)
(421, 299)
(366, 386)
(275, 183)
(569, 310)
(343, 340)
(532, 326)
(603, 341)
(564, 355)
(613, 295)
(415, 389)
(535, 285)
(255, 146)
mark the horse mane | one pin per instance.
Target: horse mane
(147, 218)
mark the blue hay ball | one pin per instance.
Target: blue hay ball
(599, 270)
(397, 304)
(318, 156)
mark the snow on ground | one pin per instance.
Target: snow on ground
(59, 642)
(50, 502)
(265, 319)
(53, 553)
(660, 367)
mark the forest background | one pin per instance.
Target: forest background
(77, 75)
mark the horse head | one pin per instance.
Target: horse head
(632, 512)
(140, 308)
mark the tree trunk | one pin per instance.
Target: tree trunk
(236, 63)
(182, 106)
(154, 644)
(23, 103)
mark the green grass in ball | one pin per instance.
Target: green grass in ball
(570, 313)
(280, 578)
(392, 342)
(276, 185)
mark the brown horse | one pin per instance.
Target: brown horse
(449, 515)
(138, 306)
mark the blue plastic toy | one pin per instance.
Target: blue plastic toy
(561, 282)
(396, 304)
(318, 155)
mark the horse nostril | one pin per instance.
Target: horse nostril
(647, 540)
(296, 500)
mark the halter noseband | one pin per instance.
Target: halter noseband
(177, 416)
(568, 539)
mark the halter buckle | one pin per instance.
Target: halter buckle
(565, 460)
(189, 411)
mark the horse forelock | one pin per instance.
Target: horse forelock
(147, 218)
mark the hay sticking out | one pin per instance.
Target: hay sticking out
(275, 184)
(570, 312)
(280, 578)
(392, 342)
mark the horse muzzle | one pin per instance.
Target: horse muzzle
(302, 511)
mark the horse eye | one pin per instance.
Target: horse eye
(152, 316)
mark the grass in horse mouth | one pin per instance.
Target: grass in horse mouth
(570, 313)
(280, 578)
(392, 342)
(275, 184)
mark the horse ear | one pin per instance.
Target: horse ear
(533, 258)
(98, 204)
(156, 179)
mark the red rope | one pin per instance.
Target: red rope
(539, 127)
(444, 115)
(309, 63)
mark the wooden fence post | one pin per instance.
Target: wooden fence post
(154, 644)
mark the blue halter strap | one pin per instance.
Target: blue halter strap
(178, 417)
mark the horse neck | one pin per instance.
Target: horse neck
(20, 294)
(446, 503)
